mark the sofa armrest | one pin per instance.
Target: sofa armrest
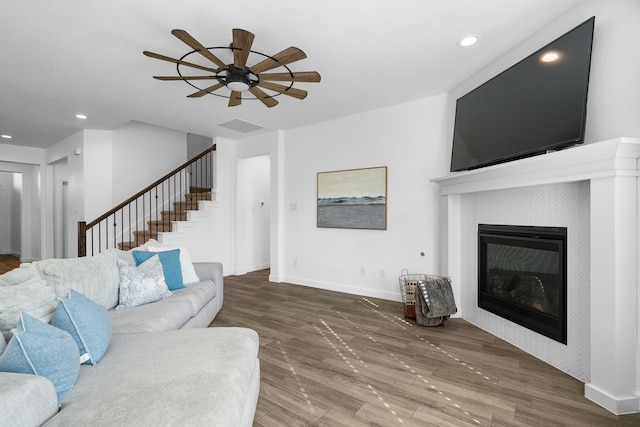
(26, 400)
(212, 271)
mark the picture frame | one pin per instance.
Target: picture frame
(353, 198)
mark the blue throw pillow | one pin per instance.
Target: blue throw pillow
(170, 261)
(87, 322)
(41, 349)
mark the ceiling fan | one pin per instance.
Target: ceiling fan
(237, 76)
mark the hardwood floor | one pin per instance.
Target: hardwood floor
(334, 359)
(8, 262)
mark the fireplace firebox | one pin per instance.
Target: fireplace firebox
(522, 276)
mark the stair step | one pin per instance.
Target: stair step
(159, 226)
(174, 216)
(194, 197)
(125, 246)
(199, 190)
(185, 206)
(144, 235)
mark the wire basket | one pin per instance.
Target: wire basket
(408, 287)
(408, 283)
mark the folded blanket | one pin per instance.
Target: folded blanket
(437, 295)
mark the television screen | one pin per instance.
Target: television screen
(537, 105)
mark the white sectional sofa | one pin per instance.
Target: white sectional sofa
(162, 366)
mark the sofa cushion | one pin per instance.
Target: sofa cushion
(154, 386)
(162, 315)
(197, 294)
(18, 275)
(41, 349)
(95, 277)
(26, 400)
(3, 344)
(32, 296)
(170, 265)
(142, 284)
(87, 322)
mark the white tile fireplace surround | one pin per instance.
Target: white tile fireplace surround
(593, 191)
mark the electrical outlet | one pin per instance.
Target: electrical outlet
(382, 275)
(363, 272)
(295, 263)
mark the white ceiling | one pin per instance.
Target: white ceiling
(59, 58)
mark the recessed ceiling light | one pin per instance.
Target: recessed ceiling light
(81, 116)
(6, 136)
(550, 56)
(468, 41)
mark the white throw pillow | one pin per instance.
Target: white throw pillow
(142, 284)
(186, 265)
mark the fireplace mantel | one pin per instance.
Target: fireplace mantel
(612, 169)
(615, 157)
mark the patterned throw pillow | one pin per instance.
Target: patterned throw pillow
(87, 322)
(142, 284)
(41, 349)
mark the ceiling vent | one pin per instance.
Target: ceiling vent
(241, 126)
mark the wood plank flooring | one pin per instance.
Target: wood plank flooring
(8, 262)
(334, 359)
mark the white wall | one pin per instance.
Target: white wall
(65, 152)
(408, 139)
(143, 153)
(196, 144)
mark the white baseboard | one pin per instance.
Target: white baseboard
(616, 405)
(341, 287)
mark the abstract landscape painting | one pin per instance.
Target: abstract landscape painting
(355, 198)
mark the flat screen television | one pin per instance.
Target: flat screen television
(537, 105)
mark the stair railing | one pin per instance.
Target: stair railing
(125, 225)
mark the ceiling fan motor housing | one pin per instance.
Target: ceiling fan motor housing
(237, 79)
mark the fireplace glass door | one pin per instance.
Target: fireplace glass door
(522, 276)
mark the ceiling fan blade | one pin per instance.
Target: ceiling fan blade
(205, 91)
(300, 76)
(196, 45)
(178, 61)
(287, 56)
(235, 99)
(242, 41)
(285, 90)
(262, 96)
(168, 78)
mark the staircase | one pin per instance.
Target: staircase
(155, 210)
(165, 223)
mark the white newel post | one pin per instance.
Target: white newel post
(612, 169)
(614, 298)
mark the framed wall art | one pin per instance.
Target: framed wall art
(355, 198)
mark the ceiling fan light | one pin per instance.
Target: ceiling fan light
(238, 86)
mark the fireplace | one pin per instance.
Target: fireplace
(522, 276)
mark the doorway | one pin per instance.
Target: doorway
(253, 225)
(10, 213)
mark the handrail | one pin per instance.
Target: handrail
(129, 217)
(150, 187)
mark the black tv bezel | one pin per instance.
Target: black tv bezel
(542, 149)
